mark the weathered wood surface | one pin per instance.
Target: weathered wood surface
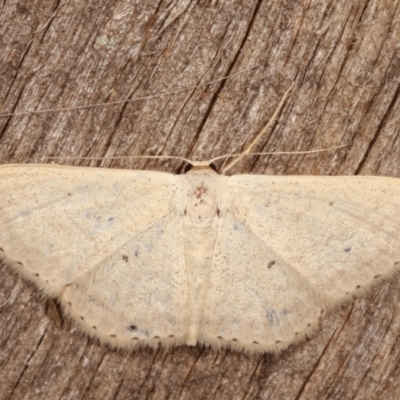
(344, 58)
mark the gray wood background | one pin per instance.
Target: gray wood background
(344, 57)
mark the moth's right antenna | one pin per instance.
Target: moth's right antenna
(247, 151)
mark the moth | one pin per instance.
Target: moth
(249, 262)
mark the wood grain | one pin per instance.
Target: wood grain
(344, 58)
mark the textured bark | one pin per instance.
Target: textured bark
(344, 58)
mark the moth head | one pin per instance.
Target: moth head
(200, 166)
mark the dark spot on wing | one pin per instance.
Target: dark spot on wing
(94, 327)
(278, 341)
(132, 328)
(218, 212)
(171, 336)
(69, 303)
(255, 342)
(135, 338)
(220, 337)
(270, 264)
(125, 258)
(308, 325)
(272, 317)
(136, 253)
(81, 318)
(358, 286)
(347, 249)
(296, 333)
(1, 249)
(376, 276)
(19, 262)
(113, 335)
(234, 339)
(156, 337)
(37, 274)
